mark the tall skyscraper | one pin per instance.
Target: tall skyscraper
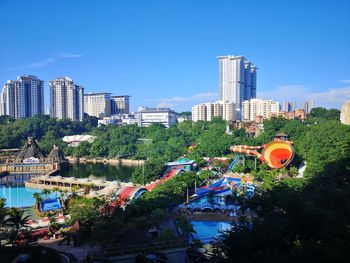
(237, 79)
(259, 107)
(120, 104)
(289, 106)
(97, 104)
(67, 99)
(308, 105)
(23, 97)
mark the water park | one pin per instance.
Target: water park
(210, 207)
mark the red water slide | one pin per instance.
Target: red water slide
(276, 154)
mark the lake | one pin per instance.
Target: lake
(19, 196)
(99, 171)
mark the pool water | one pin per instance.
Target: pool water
(50, 204)
(19, 196)
(208, 230)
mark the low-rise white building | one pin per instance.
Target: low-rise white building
(118, 119)
(149, 116)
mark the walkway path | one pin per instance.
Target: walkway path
(79, 252)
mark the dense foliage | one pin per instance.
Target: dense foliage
(299, 219)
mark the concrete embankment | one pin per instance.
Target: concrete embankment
(111, 161)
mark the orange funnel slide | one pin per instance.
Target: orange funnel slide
(278, 154)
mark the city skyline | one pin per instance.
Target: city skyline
(164, 54)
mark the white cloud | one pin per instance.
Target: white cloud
(47, 61)
(186, 102)
(345, 81)
(70, 55)
(331, 98)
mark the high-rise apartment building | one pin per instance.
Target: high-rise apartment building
(228, 111)
(67, 99)
(259, 107)
(209, 107)
(345, 113)
(199, 113)
(289, 106)
(237, 80)
(308, 105)
(120, 104)
(207, 111)
(23, 97)
(97, 104)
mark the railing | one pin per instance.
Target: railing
(138, 248)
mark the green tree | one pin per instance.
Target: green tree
(37, 197)
(46, 192)
(17, 220)
(86, 210)
(185, 227)
(3, 212)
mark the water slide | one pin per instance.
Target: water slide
(276, 154)
(218, 187)
(234, 162)
(128, 193)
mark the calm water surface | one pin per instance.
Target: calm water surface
(99, 171)
(19, 196)
(208, 230)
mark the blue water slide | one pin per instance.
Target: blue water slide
(217, 183)
(234, 162)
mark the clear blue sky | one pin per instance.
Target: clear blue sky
(164, 52)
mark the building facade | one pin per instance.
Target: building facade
(67, 99)
(259, 107)
(23, 97)
(207, 111)
(120, 104)
(97, 104)
(292, 115)
(345, 113)
(307, 106)
(237, 80)
(289, 106)
(199, 113)
(149, 116)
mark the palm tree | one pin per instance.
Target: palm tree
(185, 228)
(56, 190)
(54, 225)
(46, 192)
(17, 220)
(88, 188)
(37, 197)
(75, 188)
(3, 211)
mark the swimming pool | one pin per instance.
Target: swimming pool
(208, 230)
(19, 196)
(50, 204)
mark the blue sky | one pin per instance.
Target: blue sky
(163, 53)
